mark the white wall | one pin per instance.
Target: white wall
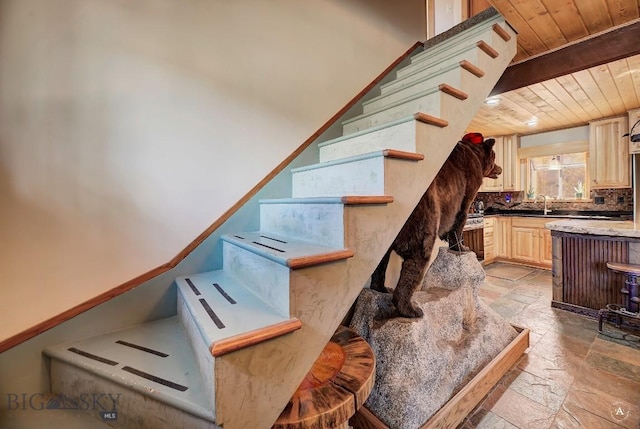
(128, 127)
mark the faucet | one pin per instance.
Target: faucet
(544, 197)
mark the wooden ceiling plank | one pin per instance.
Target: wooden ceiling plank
(601, 49)
(565, 14)
(590, 87)
(566, 99)
(607, 86)
(528, 40)
(533, 110)
(624, 82)
(537, 16)
(623, 10)
(541, 91)
(595, 14)
(577, 93)
(634, 68)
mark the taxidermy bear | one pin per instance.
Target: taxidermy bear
(441, 212)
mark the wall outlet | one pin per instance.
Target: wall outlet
(598, 200)
(620, 200)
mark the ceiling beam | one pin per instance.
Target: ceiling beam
(615, 44)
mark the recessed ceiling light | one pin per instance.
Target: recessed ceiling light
(492, 101)
(532, 122)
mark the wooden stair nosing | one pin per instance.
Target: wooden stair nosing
(454, 92)
(504, 35)
(344, 199)
(308, 261)
(431, 120)
(487, 49)
(256, 336)
(400, 154)
(472, 68)
(366, 199)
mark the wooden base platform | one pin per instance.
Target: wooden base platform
(460, 405)
(335, 388)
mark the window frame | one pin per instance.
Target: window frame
(526, 153)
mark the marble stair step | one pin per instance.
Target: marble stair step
(287, 251)
(471, 55)
(438, 101)
(485, 31)
(151, 367)
(398, 135)
(320, 219)
(453, 75)
(354, 175)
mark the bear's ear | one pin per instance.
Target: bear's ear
(489, 143)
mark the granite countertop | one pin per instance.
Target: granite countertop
(610, 228)
(563, 214)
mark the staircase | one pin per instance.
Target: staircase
(245, 336)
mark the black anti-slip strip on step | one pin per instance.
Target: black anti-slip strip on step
(274, 239)
(155, 379)
(237, 236)
(144, 349)
(192, 286)
(223, 293)
(268, 247)
(92, 356)
(211, 313)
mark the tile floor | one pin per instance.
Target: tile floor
(570, 377)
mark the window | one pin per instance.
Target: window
(558, 176)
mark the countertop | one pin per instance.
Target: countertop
(563, 214)
(611, 228)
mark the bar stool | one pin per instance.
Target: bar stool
(630, 290)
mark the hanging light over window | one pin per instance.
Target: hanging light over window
(554, 164)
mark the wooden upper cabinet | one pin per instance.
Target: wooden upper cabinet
(609, 159)
(495, 185)
(506, 149)
(510, 163)
(634, 116)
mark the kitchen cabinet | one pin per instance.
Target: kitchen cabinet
(609, 161)
(489, 235)
(634, 116)
(502, 239)
(530, 241)
(506, 149)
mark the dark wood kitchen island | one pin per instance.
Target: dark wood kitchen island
(581, 249)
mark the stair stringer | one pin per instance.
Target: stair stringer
(254, 384)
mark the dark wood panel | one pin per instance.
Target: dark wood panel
(474, 240)
(586, 280)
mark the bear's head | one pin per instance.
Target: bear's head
(490, 168)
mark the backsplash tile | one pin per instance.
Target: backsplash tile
(614, 200)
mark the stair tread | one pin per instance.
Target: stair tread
(117, 356)
(228, 305)
(391, 153)
(346, 200)
(287, 251)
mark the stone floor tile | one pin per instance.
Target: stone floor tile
(486, 293)
(515, 295)
(602, 381)
(614, 366)
(624, 338)
(605, 406)
(571, 416)
(521, 411)
(484, 419)
(542, 390)
(546, 369)
(507, 308)
(614, 350)
(536, 322)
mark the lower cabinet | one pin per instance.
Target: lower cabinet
(530, 241)
(489, 239)
(502, 240)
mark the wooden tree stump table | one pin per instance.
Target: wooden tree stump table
(335, 388)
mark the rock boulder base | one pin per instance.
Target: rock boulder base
(422, 363)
